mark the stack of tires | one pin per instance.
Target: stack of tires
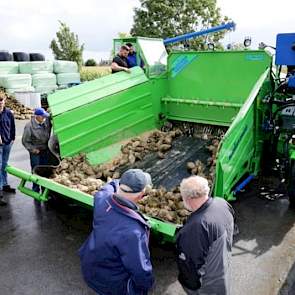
(67, 73)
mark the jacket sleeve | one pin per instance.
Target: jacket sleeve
(135, 256)
(26, 139)
(192, 249)
(12, 130)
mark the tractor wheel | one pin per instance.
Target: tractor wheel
(291, 186)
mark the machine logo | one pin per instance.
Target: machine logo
(181, 63)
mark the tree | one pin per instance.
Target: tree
(90, 62)
(169, 18)
(67, 46)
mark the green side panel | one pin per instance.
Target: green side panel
(237, 150)
(210, 87)
(75, 97)
(101, 113)
(105, 121)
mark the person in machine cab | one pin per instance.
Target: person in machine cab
(119, 62)
(132, 57)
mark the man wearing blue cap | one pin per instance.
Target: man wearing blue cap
(115, 259)
(7, 136)
(35, 139)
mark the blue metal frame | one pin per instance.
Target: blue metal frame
(228, 26)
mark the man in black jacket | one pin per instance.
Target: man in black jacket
(7, 136)
(204, 243)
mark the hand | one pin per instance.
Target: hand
(35, 151)
(127, 70)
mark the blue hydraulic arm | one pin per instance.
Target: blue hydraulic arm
(228, 26)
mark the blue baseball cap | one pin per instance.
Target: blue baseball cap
(40, 112)
(136, 180)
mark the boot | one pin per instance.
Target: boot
(8, 189)
(2, 202)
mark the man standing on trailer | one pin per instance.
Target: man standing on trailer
(7, 137)
(119, 62)
(35, 139)
(115, 259)
(204, 244)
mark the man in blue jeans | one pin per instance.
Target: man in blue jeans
(35, 139)
(7, 136)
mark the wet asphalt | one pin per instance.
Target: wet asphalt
(39, 244)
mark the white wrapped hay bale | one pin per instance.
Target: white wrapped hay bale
(16, 81)
(65, 66)
(29, 99)
(8, 67)
(36, 67)
(45, 90)
(12, 91)
(68, 78)
(44, 80)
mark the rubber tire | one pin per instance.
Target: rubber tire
(21, 56)
(5, 56)
(37, 57)
(291, 186)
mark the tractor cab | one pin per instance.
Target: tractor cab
(151, 53)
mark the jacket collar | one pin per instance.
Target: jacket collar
(35, 124)
(127, 208)
(202, 208)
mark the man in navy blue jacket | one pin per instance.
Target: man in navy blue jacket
(115, 259)
(7, 136)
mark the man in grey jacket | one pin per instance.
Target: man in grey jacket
(204, 243)
(35, 139)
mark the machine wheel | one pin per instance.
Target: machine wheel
(291, 186)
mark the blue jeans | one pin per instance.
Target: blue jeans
(4, 156)
(36, 160)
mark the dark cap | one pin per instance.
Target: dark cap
(136, 179)
(41, 112)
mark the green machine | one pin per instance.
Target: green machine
(219, 89)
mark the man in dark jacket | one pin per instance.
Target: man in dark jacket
(115, 259)
(7, 137)
(35, 139)
(204, 243)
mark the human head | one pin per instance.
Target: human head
(2, 101)
(131, 48)
(133, 183)
(124, 51)
(194, 191)
(40, 115)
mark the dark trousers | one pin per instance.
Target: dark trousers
(36, 160)
(4, 156)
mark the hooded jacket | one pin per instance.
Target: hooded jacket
(115, 259)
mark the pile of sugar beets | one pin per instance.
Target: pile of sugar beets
(76, 173)
(20, 111)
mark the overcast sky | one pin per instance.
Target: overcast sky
(30, 25)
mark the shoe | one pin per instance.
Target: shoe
(2, 202)
(8, 189)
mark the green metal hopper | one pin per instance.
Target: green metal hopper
(216, 88)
